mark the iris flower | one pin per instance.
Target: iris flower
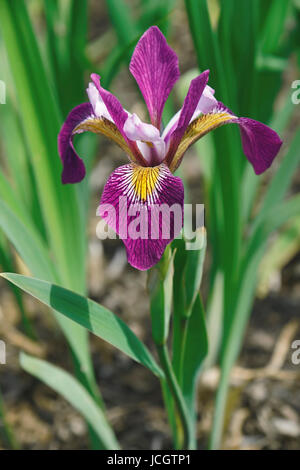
(154, 153)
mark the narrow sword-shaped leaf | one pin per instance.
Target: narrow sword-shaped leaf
(69, 388)
(245, 296)
(35, 255)
(41, 121)
(90, 315)
(27, 242)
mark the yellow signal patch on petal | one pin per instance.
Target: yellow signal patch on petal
(142, 184)
(105, 127)
(197, 129)
(144, 181)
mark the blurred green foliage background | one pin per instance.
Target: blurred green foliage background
(47, 50)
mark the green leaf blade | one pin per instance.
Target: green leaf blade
(88, 314)
(69, 388)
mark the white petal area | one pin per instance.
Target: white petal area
(172, 124)
(100, 110)
(135, 129)
(147, 150)
(206, 103)
(160, 148)
(147, 138)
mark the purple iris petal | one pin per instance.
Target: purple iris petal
(190, 103)
(145, 207)
(154, 65)
(260, 143)
(205, 105)
(113, 105)
(118, 114)
(73, 166)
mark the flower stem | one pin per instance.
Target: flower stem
(176, 393)
(184, 329)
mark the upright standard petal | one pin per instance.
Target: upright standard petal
(260, 143)
(145, 207)
(191, 101)
(154, 65)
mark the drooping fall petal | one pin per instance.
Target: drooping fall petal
(145, 207)
(260, 143)
(73, 166)
(81, 119)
